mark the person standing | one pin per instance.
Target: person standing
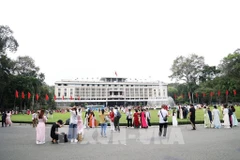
(4, 116)
(117, 116)
(216, 118)
(234, 118)
(80, 127)
(40, 129)
(111, 117)
(102, 116)
(72, 132)
(207, 123)
(210, 116)
(181, 112)
(92, 120)
(230, 113)
(174, 119)
(87, 114)
(148, 116)
(226, 117)
(129, 116)
(8, 119)
(143, 119)
(192, 116)
(163, 123)
(136, 122)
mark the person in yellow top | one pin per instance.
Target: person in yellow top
(103, 118)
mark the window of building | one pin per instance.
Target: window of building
(65, 84)
(59, 84)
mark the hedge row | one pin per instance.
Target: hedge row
(125, 124)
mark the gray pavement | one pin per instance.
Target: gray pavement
(18, 143)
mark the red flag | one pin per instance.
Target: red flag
(197, 95)
(71, 98)
(55, 97)
(62, 97)
(234, 92)
(23, 95)
(175, 96)
(78, 97)
(37, 96)
(46, 97)
(115, 73)
(211, 94)
(219, 93)
(16, 94)
(203, 94)
(227, 92)
(29, 95)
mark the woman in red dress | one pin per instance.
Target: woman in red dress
(136, 123)
(111, 116)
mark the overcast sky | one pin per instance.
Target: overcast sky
(137, 39)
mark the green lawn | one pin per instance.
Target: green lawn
(154, 118)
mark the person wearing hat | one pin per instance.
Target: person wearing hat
(54, 131)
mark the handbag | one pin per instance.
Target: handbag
(79, 137)
(106, 118)
(164, 118)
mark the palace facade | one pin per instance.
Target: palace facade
(110, 91)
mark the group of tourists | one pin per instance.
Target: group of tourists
(141, 118)
(212, 118)
(75, 130)
(106, 116)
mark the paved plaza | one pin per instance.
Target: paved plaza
(18, 143)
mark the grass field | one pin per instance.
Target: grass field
(154, 118)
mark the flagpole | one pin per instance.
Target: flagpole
(227, 96)
(14, 102)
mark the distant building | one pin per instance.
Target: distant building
(110, 91)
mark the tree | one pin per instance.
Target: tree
(230, 65)
(208, 73)
(188, 69)
(7, 41)
(26, 66)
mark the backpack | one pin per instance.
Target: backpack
(164, 118)
(119, 114)
(63, 138)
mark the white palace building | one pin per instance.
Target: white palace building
(110, 91)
